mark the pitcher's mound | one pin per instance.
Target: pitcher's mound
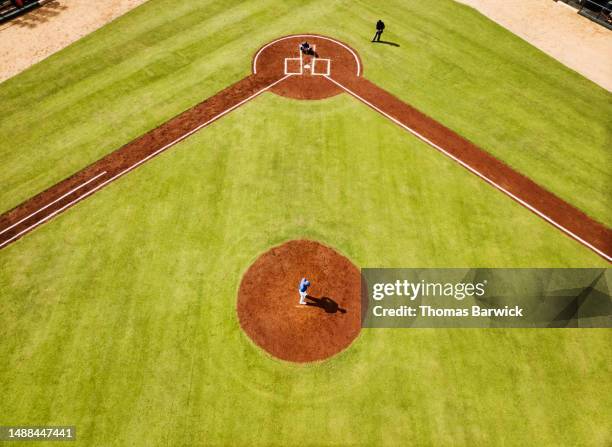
(269, 309)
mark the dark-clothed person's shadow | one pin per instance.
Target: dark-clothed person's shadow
(325, 303)
(386, 42)
(311, 52)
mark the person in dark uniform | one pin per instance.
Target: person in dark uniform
(380, 27)
(306, 48)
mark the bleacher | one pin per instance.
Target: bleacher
(599, 11)
(9, 9)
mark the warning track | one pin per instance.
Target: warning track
(342, 75)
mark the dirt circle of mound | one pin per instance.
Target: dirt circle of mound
(309, 73)
(268, 302)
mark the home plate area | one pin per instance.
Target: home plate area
(307, 73)
(307, 64)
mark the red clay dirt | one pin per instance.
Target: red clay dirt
(311, 84)
(269, 73)
(498, 173)
(268, 302)
(55, 199)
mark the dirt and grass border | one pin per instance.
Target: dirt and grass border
(41, 208)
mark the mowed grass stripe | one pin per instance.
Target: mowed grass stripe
(528, 110)
(119, 315)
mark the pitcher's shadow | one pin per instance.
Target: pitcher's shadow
(327, 304)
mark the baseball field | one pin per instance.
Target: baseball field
(118, 315)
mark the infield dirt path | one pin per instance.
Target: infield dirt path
(520, 188)
(70, 191)
(280, 68)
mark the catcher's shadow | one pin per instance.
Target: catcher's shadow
(325, 303)
(311, 52)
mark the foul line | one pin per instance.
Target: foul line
(126, 170)
(55, 201)
(474, 171)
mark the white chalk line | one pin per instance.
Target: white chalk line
(474, 171)
(55, 201)
(327, 71)
(287, 72)
(126, 170)
(308, 35)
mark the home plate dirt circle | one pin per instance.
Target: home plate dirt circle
(307, 73)
(268, 302)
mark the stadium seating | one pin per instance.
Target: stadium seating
(10, 9)
(599, 11)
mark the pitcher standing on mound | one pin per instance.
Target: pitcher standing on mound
(304, 284)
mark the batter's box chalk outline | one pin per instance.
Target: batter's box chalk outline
(293, 59)
(327, 70)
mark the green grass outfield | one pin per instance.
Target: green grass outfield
(472, 75)
(119, 315)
